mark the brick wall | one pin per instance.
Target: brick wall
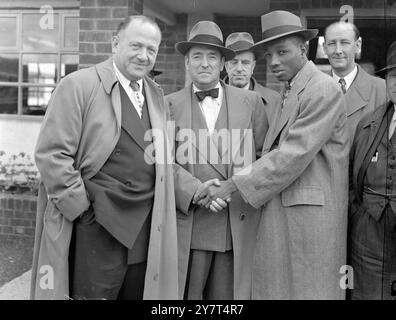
(17, 216)
(169, 61)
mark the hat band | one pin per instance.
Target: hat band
(207, 39)
(240, 46)
(279, 31)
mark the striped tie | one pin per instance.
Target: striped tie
(136, 91)
(342, 84)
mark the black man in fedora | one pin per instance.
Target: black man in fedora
(301, 180)
(372, 201)
(226, 127)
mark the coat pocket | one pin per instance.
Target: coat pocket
(309, 196)
(54, 222)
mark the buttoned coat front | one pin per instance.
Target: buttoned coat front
(301, 185)
(80, 130)
(246, 114)
(365, 94)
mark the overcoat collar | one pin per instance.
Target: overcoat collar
(291, 103)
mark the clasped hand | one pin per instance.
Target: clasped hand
(214, 195)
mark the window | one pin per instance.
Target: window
(35, 53)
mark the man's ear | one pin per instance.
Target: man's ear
(186, 61)
(358, 44)
(114, 43)
(222, 63)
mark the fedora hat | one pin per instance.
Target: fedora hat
(390, 60)
(206, 33)
(239, 41)
(279, 24)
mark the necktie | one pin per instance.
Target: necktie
(285, 93)
(136, 91)
(214, 93)
(342, 84)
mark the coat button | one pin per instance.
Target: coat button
(256, 187)
(155, 277)
(242, 216)
(159, 228)
(128, 183)
(162, 179)
(117, 152)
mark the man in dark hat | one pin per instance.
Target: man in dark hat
(219, 129)
(372, 201)
(363, 92)
(301, 180)
(240, 69)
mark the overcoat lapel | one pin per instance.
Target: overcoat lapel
(239, 118)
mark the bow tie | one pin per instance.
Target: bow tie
(214, 93)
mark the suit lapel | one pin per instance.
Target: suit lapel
(239, 118)
(358, 93)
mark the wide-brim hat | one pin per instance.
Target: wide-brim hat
(239, 42)
(205, 33)
(279, 24)
(390, 59)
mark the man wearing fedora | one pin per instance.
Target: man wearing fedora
(363, 92)
(372, 201)
(301, 180)
(225, 127)
(240, 69)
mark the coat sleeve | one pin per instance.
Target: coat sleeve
(185, 183)
(321, 107)
(56, 149)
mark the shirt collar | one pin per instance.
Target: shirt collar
(124, 81)
(218, 85)
(348, 78)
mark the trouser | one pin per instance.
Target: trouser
(98, 265)
(210, 275)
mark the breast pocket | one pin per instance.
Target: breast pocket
(303, 196)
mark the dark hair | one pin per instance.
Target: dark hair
(143, 19)
(354, 28)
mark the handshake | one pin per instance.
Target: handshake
(214, 194)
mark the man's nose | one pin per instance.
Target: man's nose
(274, 61)
(338, 47)
(239, 66)
(143, 54)
(204, 62)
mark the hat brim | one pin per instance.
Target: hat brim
(385, 70)
(183, 47)
(306, 34)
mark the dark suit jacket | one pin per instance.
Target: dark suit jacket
(245, 111)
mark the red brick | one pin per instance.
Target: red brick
(26, 205)
(112, 3)
(8, 213)
(4, 221)
(119, 13)
(95, 13)
(88, 3)
(29, 231)
(11, 203)
(92, 59)
(3, 203)
(6, 230)
(86, 47)
(103, 47)
(88, 24)
(20, 222)
(107, 24)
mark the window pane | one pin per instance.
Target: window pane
(35, 99)
(8, 32)
(40, 32)
(69, 64)
(40, 68)
(9, 67)
(8, 100)
(71, 32)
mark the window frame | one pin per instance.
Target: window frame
(18, 50)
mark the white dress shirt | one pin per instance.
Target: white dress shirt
(348, 78)
(130, 93)
(210, 107)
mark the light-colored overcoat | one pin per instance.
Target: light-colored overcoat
(302, 186)
(80, 130)
(246, 113)
(365, 94)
